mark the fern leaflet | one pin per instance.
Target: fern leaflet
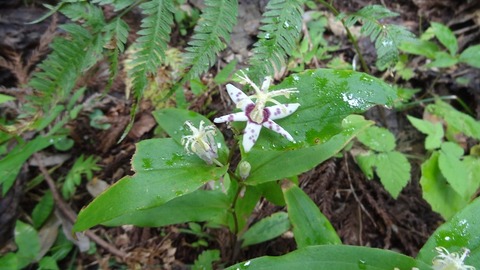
(281, 27)
(117, 4)
(149, 49)
(387, 37)
(211, 33)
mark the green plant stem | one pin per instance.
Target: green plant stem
(350, 36)
(235, 244)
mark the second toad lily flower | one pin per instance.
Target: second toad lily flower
(256, 114)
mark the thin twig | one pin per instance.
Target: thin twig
(70, 214)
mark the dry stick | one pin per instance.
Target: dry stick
(70, 214)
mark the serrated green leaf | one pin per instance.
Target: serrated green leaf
(443, 60)
(163, 172)
(434, 132)
(471, 56)
(198, 206)
(366, 162)
(393, 169)
(338, 257)
(172, 120)
(310, 226)
(420, 47)
(266, 229)
(461, 231)
(446, 37)
(206, 259)
(453, 168)
(459, 121)
(28, 243)
(437, 192)
(42, 210)
(378, 139)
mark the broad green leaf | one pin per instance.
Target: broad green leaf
(163, 172)
(47, 263)
(461, 231)
(443, 59)
(377, 138)
(453, 169)
(12, 163)
(310, 226)
(61, 248)
(437, 192)
(198, 206)
(471, 56)
(457, 120)
(472, 165)
(272, 191)
(434, 132)
(9, 261)
(366, 162)
(335, 257)
(5, 98)
(28, 243)
(266, 229)
(206, 259)
(270, 165)
(446, 37)
(172, 120)
(226, 72)
(42, 210)
(420, 47)
(393, 169)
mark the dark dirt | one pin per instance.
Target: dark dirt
(361, 211)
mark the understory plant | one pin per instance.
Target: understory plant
(194, 175)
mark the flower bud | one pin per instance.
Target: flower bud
(244, 169)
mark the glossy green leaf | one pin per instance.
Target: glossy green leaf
(172, 120)
(436, 190)
(456, 120)
(42, 210)
(378, 139)
(434, 132)
(453, 169)
(12, 163)
(443, 60)
(266, 229)
(28, 243)
(446, 37)
(270, 165)
(393, 169)
(163, 172)
(471, 56)
(461, 231)
(198, 206)
(366, 162)
(310, 226)
(335, 257)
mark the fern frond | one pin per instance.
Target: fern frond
(210, 35)
(117, 4)
(71, 56)
(282, 23)
(149, 49)
(387, 37)
(116, 34)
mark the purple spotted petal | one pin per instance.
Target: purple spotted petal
(239, 116)
(275, 127)
(281, 111)
(239, 97)
(250, 135)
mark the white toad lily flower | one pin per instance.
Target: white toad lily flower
(201, 142)
(255, 113)
(450, 261)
